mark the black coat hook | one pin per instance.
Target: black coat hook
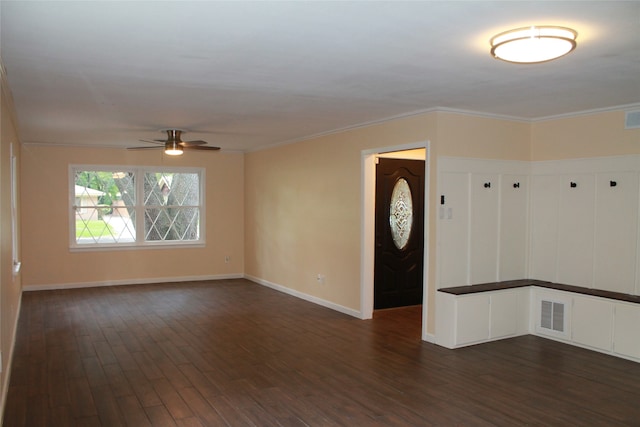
(516, 185)
(612, 183)
(487, 185)
(573, 184)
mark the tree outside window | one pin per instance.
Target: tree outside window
(136, 206)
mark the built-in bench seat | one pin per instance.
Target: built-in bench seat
(600, 320)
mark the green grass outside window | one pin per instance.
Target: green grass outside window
(94, 229)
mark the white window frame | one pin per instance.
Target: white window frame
(139, 242)
(14, 212)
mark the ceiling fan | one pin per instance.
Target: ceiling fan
(174, 145)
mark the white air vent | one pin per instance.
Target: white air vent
(552, 316)
(632, 120)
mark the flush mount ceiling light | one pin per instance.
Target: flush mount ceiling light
(530, 45)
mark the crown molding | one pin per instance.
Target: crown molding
(613, 108)
(451, 111)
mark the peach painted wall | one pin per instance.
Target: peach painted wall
(303, 201)
(462, 135)
(303, 209)
(49, 263)
(10, 284)
(592, 135)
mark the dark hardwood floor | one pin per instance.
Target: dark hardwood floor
(233, 353)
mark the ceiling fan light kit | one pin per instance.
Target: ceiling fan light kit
(531, 45)
(174, 145)
(172, 148)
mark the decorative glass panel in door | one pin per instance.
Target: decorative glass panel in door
(401, 213)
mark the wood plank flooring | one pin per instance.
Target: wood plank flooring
(233, 353)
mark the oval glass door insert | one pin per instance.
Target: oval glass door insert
(401, 213)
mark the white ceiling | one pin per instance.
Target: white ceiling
(245, 75)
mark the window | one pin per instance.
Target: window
(14, 211)
(135, 206)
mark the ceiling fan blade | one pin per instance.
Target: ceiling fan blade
(144, 148)
(155, 141)
(193, 143)
(202, 147)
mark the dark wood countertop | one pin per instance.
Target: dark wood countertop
(513, 284)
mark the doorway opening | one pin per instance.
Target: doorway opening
(416, 151)
(399, 233)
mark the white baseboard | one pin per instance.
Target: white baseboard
(7, 377)
(306, 297)
(586, 347)
(124, 282)
(430, 338)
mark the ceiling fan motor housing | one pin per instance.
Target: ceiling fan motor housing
(174, 135)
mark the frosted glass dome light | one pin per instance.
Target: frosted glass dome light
(533, 44)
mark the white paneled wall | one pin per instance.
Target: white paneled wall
(484, 223)
(482, 226)
(584, 225)
(566, 221)
(574, 252)
(616, 225)
(453, 229)
(545, 201)
(514, 202)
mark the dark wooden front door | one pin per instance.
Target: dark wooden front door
(399, 239)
